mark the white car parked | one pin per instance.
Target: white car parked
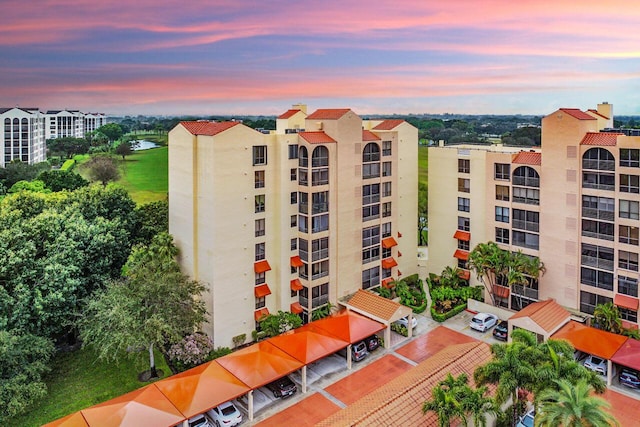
(404, 321)
(483, 321)
(225, 414)
(201, 420)
(596, 364)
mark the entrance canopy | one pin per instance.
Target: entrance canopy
(628, 355)
(349, 326)
(379, 308)
(543, 318)
(201, 388)
(308, 343)
(590, 340)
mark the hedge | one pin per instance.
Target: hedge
(68, 165)
(449, 314)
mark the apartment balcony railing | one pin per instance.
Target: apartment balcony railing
(591, 261)
(321, 254)
(526, 200)
(526, 181)
(598, 214)
(526, 225)
(597, 235)
(597, 186)
(318, 301)
(601, 165)
(525, 291)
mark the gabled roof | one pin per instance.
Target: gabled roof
(628, 355)
(590, 340)
(528, 158)
(207, 128)
(577, 113)
(328, 114)
(388, 124)
(349, 326)
(549, 315)
(380, 307)
(600, 138)
(316, 137)
(399, 402)
(367, 135)
(596, 112)
(288, 114)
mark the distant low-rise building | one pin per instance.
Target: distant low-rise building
(72, 123)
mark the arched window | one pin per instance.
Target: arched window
(527, 176)
(320, 157)
(598, 159)
(320, 166)
(303, 157)
(371, 161)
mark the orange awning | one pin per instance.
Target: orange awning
(464, 274)
(389, 263)
(261, 266)
(389, 242)
(462, 235)
(73, 420)
(308, 343)
(501, 291)
(296, 308)
(262, 291)
(349, 326)
(626, 301)
(296, 285)
(258, 314)
(296, 261)
(460, 254)
(386, 283)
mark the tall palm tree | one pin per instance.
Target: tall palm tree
(477, 405)
(446, 400)
(573, 406)
(489, 262)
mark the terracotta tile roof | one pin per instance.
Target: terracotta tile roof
(600, 138)
(288, 114)
(590, 340)
(367, 135)
(527, 158)
(399, 402)
(549, 315)
(388, 124)
(208, 128)
(577, 113)
(596, 112)
(316, 137)
(376, 305)
(328, 113)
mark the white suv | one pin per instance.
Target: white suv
(225, 414)
(596, 364)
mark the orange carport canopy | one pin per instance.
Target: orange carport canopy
(628, 355)
(73, 420)
(590, 340)
(308, 343)
(349, 326)
(259, 364)
(146, 406)
(201, 388)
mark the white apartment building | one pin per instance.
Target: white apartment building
(23, 135)
(72, 123)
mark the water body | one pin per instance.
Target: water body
(143, 144)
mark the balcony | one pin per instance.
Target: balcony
(591, 261)
(598, 214)
(597, 235)
(526, 181)
(601, 165)
(526, 225)
(525, 291)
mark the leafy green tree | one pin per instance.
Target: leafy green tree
(153, 305)
(68, 146)
(58, 180)
(608, 318)
(35, 186)
(112, 131)
(572, 405)
(124, 149)
(275, 324)
(102, 169)
(23, 360)
(153, 218)
(20, 171)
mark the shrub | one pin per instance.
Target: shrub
(193, 350)
(441, 317)
(401, 329)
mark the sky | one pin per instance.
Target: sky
(233, 57)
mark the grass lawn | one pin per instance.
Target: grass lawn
(423, 166)
(145, 174)
(77, 380)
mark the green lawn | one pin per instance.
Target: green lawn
(77, 380)
(145, 174)
(423, 157)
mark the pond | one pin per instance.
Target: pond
(143, 144)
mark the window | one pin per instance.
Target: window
(599, 180)
(303, 246)
(386, 169)
(294, 174)
(260, 278)
(597, 256)
(386, 189)
(502, 214)
(628, 209)
(527, 176)
(629, 183)
(597, 229)
(596, 278)
(303, 177)
(526, 220)
(259, 179)
(529, 196)
(630, 157)
(598, 159)
(370, 236)
(371, 161)
(370, 212)
(370, 254)
(464, 185)
(259, 203)
(502, 193)
(319, 269)
(589, 301)
(370, 277)
(303, 157)
(502, 171)
(463, 223)
(293, 151)
(260, 251)
(294, 244)
(464, 165)
(294, 220)
(303, 225)
(463, 244)
(386, 209)
(320, 295)
(303, 203)
(628, 286)
(370, 194)
(294, 197)
(386, 229)
(386, 253)
(502, 235)
(386, 148)
(320, 176)
(260, 302)
(525, 240)
(259, 155)
(320, 202)
(260, 227)
(462, 264)
(628, 260)
(320, 157)
(320, 223)
(463, 204)
(598, 207)
(628, 315)
(320, 249)
(628, 234)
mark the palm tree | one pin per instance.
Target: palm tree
(573, 406)
(477, 405)
(446, 400)
(489, 262)
(607, 317)
(450, 276)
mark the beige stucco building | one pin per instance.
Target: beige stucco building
(293, 219)
(573, 203)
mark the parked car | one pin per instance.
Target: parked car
(282, 387)
(404, 321)
(358, 351)
(225, 414)
(501, 330)
(527, 419)
(483, 321)
(201, 420)
(629, 378)
(372, 342)
(596, 364)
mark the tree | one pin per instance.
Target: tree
(112, 131)
(35, 186)
(58, 180)
(152, 218)
(608, 318)
(23, 360)
(423, 208)
(68, 146)
(275, 324)
(152, 305)
(572, 405)
(19, 171)
(124, 149)
(103, 169)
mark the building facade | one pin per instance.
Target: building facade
(295, 219)
(72, 123)
(23, 135)
(573, 203)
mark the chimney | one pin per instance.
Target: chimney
(606, 110)
(301, 107)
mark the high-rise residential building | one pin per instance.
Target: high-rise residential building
(573, 202)
(23, 135)
(294, 219)
(72, 123)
